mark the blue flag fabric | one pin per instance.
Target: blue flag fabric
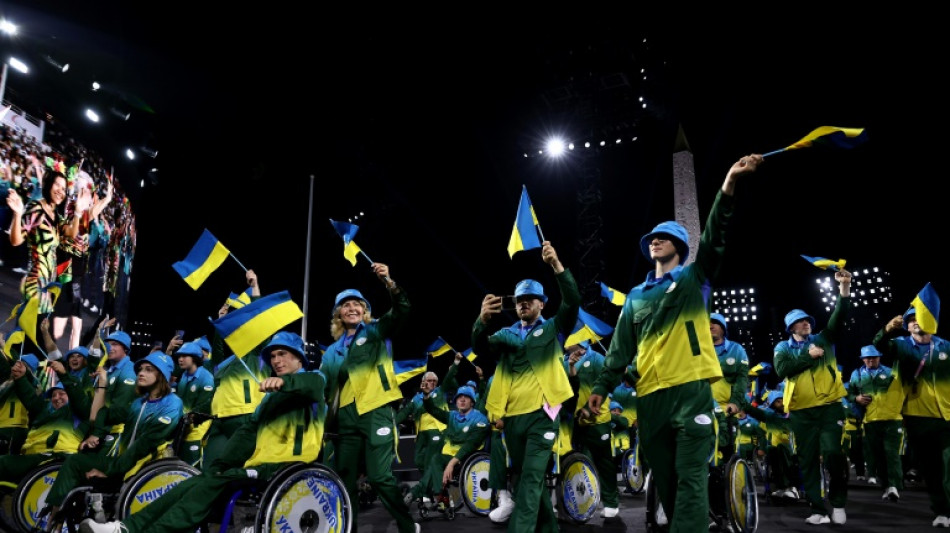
(524, 236)
(927, 307)
(616, 297)
(588, 328)
(245, 328)
(347, 232)
(407, 369)
(438, 347)
(204, 258)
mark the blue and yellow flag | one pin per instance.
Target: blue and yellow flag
(927, 308)
(439, 347)
(588, 328)
(616, 297)
(828, 136)
(347, 232)
(27, 318)
(825, 264)
(524, 236)
(406, 370)
(237, 301)
(15, 338)
(470, 355)
(249, 326)
(53, 289)
(204, 258)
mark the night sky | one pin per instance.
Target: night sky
(423, 127)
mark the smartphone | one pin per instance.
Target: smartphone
(180, 333)
(508, 303)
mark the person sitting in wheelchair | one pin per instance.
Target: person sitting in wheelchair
(59, 419)
(152, 418)
(285, 428)
(466, 431)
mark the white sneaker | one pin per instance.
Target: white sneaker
(861, 478)
(661, 519)
(872, 480)
(795, 494)
(838, 516)
(91, 526)
(418, 527)
(506, 506)
(610, 512)
(941, 521)
(817, 519)
(891, 494)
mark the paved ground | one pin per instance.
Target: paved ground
(866, 513)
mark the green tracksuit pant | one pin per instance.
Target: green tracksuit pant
(13, 468)
(782, 466)
(191, 503)
(369, 440)
(818, 432)
(678, 438)
(530, 438)
(73, 473)
(497, 462)
(218, 434)
(12, 439)
(191, 453)
(426, 447)
(885, 439)
(590, 440)
(930, 440)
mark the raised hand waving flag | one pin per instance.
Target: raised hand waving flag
(204, 258)
(825, 264)
(927, 308)
(439, 347)
(828, 136)
(524, 236)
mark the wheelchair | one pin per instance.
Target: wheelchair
(631, 468)
(737, 507)
(576, 486)
(300, 497)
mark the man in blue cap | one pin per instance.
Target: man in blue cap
(729, 392)
(195, 387)
(663, 330)
(119, 384)
(813, 401)
(361, 390)
(923, 361)
(529, 387)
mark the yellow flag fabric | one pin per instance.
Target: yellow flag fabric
(204, 258)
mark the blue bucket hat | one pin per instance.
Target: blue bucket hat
(122, 338)
(615, 405)
(910, 313)
(204, 343)
(160, 361)
(721, 320)
(774, 395)
(351, 294)
(31, 361)
(530, 287)
(288, 341)
(466, 391)
(81, 350)
(58, 385)
(193, 349)
(794, 316)
(677, 234)
(870, 351)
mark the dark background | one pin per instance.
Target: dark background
(421, 121)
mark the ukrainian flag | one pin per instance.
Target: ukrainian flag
(249, 326)
(438, 347)
(238, 301)
(27, 319)
(828, 136)
(347, 232)
(203, 259)
(406, 370)
(524, 236)
(616, 297)
(825, 264)
(927, 308)
(588, 328)
(470, 355)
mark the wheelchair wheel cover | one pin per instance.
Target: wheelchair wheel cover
(741, 496)
(307, 498)
(473, 481)
(632, 470)
(578, 487)
(153, 480)
(30, 496)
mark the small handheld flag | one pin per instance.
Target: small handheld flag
(249, 326)
(347, 232)
(825, 264)
(588, 328)
(470, 355)
(828, 135)
(524, 235)
(204, 258)
(406, 370)
(237, 301)
(439, 347)
(616, 297)
(927, 308)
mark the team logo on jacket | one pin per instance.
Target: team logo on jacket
(111, 380)
(538, 332)
(882, 376)
(465, 429)
(194, 388)
(129, 381)
(481, 425)
(435, 438)
(942, 356)
(209, 388)
(586, 363)
(164, 420)
(361, 341)
(549, 435)
(703, 419)
(382, 432)
(672, 288)
(731, 361)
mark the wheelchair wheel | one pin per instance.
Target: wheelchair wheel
(153, 480)
(473, 482)
(7, 522)
(305, 497)
(578, 488)
(632, 470)
(742, 504)
(30, 496)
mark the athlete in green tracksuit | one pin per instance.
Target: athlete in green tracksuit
(663, 329)
(361, 390)
(733, 386)
(283, 429)
(813, 400)
(428, 428)
(195, 387)
(14, 416)
(529, 386)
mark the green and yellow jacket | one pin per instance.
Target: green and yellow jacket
(924, 371)
(884, 386)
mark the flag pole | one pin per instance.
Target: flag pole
(306, 270)
(238, 262)
(773, 152)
